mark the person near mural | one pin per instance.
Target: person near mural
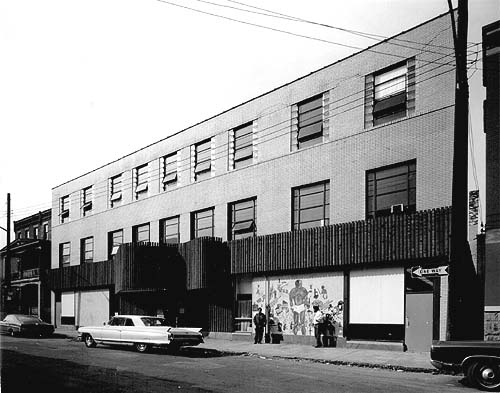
(318, 322)
(328, 326)
(298, 301)
(259, 320)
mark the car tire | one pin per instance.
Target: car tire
(484, 374)
(89, 341)
(141, 347)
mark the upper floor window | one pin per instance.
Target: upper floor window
(169, 171)
(140, 233)
(141, 181)
(45, 234)
(311, 205)
(64, 254)
(390, 94)
(391, 189)
(86, 201)
(202, 223)
(243, 145)
(310, 121)
(169, 230)
(64, 209)
(115, 239)
(115, 190)
(203, 160)
(243, 221)
(36, 233)
(19, 235)
(87, 250)
(26, 233)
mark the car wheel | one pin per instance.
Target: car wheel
(485, 374)
(89, 341)
(140, 347)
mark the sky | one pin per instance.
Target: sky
(83, 83)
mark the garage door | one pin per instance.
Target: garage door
(93, 307)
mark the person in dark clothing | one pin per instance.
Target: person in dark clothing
(259, 321)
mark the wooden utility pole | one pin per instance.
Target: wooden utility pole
(7, 259)
(457, 325)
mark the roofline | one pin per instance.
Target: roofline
(32, 216)
(261, 95)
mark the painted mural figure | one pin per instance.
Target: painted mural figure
(298, 302)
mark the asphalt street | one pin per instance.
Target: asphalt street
(64, 365)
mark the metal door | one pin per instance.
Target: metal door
(418, 331)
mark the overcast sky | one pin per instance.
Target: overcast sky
(83, 83)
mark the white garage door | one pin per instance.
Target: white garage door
(377, 296)
(93, 307)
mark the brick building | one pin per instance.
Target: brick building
(329, 190)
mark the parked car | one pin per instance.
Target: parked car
(141, 331)
(478, 360)
(25, 325)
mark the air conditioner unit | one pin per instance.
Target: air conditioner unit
(397, 208)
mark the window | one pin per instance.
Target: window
(140, 233)
(19, 235)
(86, 201)
(141, 181)
(115, 190)
(26, 233)
(169, 230)
(169, 171)
(64, 254)
(203, 160)
(311, 205)
(35, 232)
(391, 189)
(64, 209)
(87, 250)
(202, 223)
(115, 238)
(390, 94)
(243, 145)
(310, 122)
(45, 231)
(242, 219)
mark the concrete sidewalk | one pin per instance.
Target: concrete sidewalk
(395, 360)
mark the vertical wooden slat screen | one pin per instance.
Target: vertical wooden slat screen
(424, 234)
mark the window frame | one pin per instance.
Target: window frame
(112, 244)
(64, 259)
(135, 233)
(203, 168)
(195, 219)
(248, 227)
(87, 201)
(141, 185)
(64, 205)
(163, 230)
(246, 157)
(169, 175)
(315, 137)
(296, 194)
(84, 251)
(115, 190)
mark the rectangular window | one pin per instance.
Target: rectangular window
(86, 201)
(311, 205)
(389, 94)
(140, 233)
(203, 160)
(26, 233)
(35, 232)
(141, 181)
(45, 231)
(87, 250)
(115, 190)
(243, 145)
(64, 209)
(202, 223)
(64, 254)
(243, 219)
(169, 171)
(310, 121)
(391, 189)
(169, 230)
(115, 238)
(19, 235)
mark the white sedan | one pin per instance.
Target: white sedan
(141, 331)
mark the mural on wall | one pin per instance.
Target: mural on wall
(291, 300)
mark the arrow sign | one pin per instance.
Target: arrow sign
(418, 271)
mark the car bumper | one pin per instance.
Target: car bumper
(445, 366)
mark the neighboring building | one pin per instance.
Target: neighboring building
(491, 80)
(331, 189)
(28, 292)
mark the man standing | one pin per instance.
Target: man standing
(259, 320)
(318, 325)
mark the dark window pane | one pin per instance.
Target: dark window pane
(310, 104)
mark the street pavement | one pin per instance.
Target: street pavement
(396, 360)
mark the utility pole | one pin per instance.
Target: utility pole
(7, 258)
(457, 326)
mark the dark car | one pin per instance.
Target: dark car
(478, 360)
(25, 325)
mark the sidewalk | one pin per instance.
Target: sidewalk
(394, 360)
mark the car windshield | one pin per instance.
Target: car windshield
(150, 321)
(28, 318)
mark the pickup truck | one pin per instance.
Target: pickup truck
(478, 360)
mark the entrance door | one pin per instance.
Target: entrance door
(418, 331)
